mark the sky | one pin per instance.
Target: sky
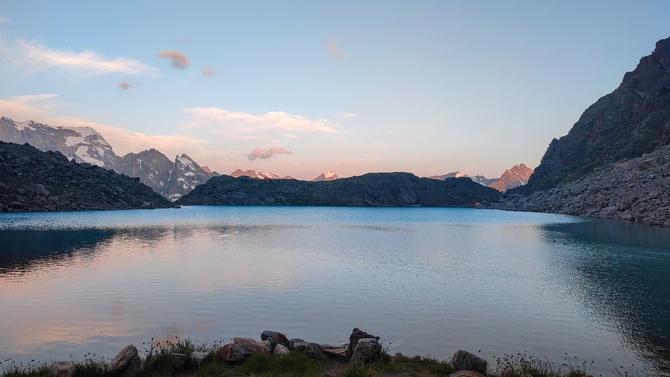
(302, 87)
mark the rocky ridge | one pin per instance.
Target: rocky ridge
(513, 177)
(632, 120)
(373, 189)
(31, 180)
(635, 189)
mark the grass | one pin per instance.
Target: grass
(522, 365)
(13, 369)
(291, 364)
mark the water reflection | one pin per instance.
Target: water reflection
(19, 248)
(618, 271)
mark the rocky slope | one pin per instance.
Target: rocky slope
(326, 176)
(516, 176)
(632, 120)
(373, 189)
(637, 190)
(184, 176)
(151, 167)
(31, 180)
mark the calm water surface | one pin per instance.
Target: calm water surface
(429, 281)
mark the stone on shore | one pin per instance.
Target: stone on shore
(310, 349)
(356, 335)
(275, 338)
(466, 373)
(366, 350)
(241, 349)
(280, 349)
(126, 364)
(464, 360)
(61, 369)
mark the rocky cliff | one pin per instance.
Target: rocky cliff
(632, 120)
(636, 190)
(31, 180)
(184, 176)
(373, 189)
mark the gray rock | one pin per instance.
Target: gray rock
(293, 341)
(466, 373)
(464, 360)
(197, 357)
(122, 360)
(241, 349)
(356, 335)
(280, 349)
(275, 338)
(366, 350)
(310, 349)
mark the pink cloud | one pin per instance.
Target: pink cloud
(33, 57)
(267, 153)
(208, 71)
(179, 60)
(125, 85)
(332, 48)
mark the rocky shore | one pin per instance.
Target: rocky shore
(635, 189)
(363, 349)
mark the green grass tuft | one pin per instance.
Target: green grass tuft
(291, 364)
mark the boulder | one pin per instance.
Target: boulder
(241, 349)
(336, 353)
(464, 360)
(356, 335)
(197, 357)
(124, 362)
(275, 338)
(310, 349)
(280, 349)
(293, 341)
(466, 373)
(366, 350)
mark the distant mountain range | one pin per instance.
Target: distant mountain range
(85, 145)
(260, 175)
(372, 189)
(515, 176)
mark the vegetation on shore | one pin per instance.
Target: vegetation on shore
(162, 360)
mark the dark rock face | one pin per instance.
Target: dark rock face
(366, 350)
(356, 335)
(126, 364)
(464, 360)
(627, 123)
(374, 189)
(275, 338)
(31, 180)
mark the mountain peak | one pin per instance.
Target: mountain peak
(326, 176)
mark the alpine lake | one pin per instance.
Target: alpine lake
(428, 281)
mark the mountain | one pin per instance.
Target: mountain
(516, 176)
(456, 174)
(32, 180)
(151, 167)
(632, 120)
(373, 189)
(82, 144)
(483, 180)
(260, 175)
(326, 176)
(185, 175)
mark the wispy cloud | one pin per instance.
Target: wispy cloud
(243, 125)
(179, 60)
(4, 20)
(332, 47)
(124, 85)
(208, 71)
(33, 57)
(267, 153)
(346, 115)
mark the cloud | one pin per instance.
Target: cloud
(179, 60)
(208, 71)
(267, 153)
(346, 115)
(34, 57)
(4, 20)
(248, 126)
(332, 47)
(125, 85)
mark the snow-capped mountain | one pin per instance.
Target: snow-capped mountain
(82, 144)
(456, 174)
(327, 176)
(260, 175)
(184, 176)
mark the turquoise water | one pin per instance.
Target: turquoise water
(428, 281)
